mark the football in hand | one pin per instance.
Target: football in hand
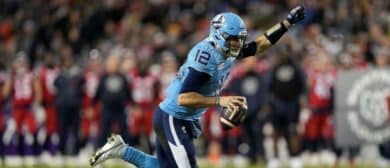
(230, 119)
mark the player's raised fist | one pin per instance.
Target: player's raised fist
(296, 14)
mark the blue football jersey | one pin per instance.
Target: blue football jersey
(203, 57)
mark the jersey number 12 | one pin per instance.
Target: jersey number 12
(202, 57)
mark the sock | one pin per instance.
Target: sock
(139, 158)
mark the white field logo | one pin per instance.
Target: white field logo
(368, 116)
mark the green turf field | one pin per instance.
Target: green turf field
(201, 165)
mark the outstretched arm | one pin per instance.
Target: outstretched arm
(272, 35)
(190, 95)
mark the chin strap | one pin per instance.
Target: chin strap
(230, 53)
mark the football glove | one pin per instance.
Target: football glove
(297, 14)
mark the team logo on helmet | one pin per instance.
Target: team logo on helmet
(218, 21)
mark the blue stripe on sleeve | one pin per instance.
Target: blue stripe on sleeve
(194, 81)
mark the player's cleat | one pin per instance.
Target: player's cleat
(112, 149)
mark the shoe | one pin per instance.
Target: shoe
(110, 150)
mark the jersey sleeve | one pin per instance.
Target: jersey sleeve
(201, 60)
(194, 81)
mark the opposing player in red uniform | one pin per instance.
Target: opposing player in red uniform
(23, 88)
(145, 91)
(91, 113)
(319, 131)
(47, 74)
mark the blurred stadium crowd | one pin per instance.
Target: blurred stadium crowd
(72, 71)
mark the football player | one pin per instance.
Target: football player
(196, 87)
